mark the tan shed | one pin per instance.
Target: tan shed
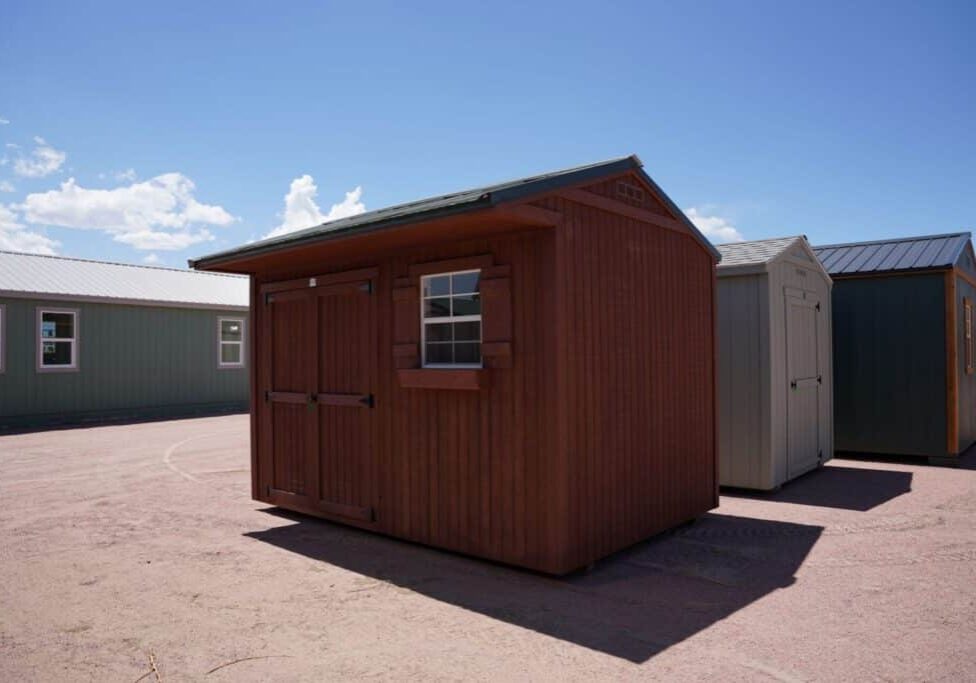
(775, 370)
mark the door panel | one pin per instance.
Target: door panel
(287, 385)
(803, 374)
(346, 354)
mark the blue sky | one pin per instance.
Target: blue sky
(162, 131)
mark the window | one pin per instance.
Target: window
(57, 343)
(451, 319)
(231, 342)
(970, 349)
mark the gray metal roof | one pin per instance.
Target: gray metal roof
(905, 254)
(450, 204)
(56, 277)
(755, 252)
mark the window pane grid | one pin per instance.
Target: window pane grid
(451, 319)
(56, 339)
(230, 342)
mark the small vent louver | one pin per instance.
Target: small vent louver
(630, 193)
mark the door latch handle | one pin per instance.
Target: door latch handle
(312, 399)
(367, 400)
(793, 384)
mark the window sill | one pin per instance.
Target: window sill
(474, 379)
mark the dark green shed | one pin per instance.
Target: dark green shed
(904, 355)
(89, 341)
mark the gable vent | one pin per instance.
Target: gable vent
(630, 193)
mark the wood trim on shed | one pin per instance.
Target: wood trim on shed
(952, 388)
(321, 280)
(965, 276)
(606, 204)
(462, 379)
(479, 262)
(715, 389)
(887, 273)
(252, 371)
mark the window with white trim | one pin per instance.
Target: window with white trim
(230, 351)
(57, 342)
(450, 309)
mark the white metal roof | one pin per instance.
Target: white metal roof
(56, 277)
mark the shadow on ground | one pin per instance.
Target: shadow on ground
(633, 605)
(835, 486)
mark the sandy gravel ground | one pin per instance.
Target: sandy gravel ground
(121, 541)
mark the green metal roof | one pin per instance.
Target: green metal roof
(448, 205)
(927, 252)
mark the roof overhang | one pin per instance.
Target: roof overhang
(115, 301)
(466, 214)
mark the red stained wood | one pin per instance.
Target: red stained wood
(440, 378)
(590, 428)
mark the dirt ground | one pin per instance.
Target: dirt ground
(121, 542)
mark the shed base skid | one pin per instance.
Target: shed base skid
(303, 507)
(944, 461)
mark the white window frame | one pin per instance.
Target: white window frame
(220, 342)
(424, 321)
(74, 339)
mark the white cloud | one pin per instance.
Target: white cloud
(301, 210)
(150, 259)
(13, 236)
(157, 214)
(4, 122)
(126, 176)
(715, 228)
(43, 161)
(7, 186)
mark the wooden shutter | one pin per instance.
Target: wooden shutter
(496, 317)
(406, 324)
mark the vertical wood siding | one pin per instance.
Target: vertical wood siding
(468, 471)
(965, 382)
(133, 360)
(636, 339)
(744, 359)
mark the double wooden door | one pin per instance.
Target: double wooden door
(317, 376)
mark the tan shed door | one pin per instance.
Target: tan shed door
(805, 381)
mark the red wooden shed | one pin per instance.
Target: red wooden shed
(523, 372)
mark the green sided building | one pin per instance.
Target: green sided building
(88, 341)
(904, 345)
